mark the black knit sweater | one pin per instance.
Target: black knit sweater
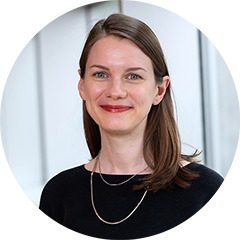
(66, 199)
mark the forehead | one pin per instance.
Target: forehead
(113, 50)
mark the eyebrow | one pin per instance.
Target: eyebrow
(99, 66)
(135, 69)
(128, 70)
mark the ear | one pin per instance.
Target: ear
(161, 90)
(81, 87)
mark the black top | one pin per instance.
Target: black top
(66, 199)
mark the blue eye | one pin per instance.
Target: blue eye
(100, 75)
(134, 76)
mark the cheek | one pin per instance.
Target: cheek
(144, 97)
(92, 92)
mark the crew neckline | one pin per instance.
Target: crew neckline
(112, 174)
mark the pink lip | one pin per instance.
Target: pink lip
(115, 108)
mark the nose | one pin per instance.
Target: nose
(116, 89)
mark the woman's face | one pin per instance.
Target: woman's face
(119, 86)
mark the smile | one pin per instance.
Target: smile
(115, 108)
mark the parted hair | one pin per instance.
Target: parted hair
(162, 143)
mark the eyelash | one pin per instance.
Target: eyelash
(132, 74)
(128, 76)
(98, 73)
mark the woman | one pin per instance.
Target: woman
(138, 182)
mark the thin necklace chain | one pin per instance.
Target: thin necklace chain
(94, 208)
(116, 184)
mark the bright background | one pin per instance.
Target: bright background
(41, 124)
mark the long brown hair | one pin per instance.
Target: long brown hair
(162, 145)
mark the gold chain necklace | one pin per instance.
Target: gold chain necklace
(94, 208)
(116, 184)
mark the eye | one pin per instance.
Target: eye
(133, 77)
(100, 75)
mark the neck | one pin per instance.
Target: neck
(122, 154)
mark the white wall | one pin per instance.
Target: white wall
(60, 45)
(179, 41)
(221, 109)
(20, 122)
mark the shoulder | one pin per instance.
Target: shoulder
(208, 182)
(68, 175)
(185, 202)
(206, 174)
(64, 180)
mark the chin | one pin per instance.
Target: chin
(116, 129)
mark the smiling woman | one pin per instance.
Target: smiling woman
(119, 78)
(138, 182)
